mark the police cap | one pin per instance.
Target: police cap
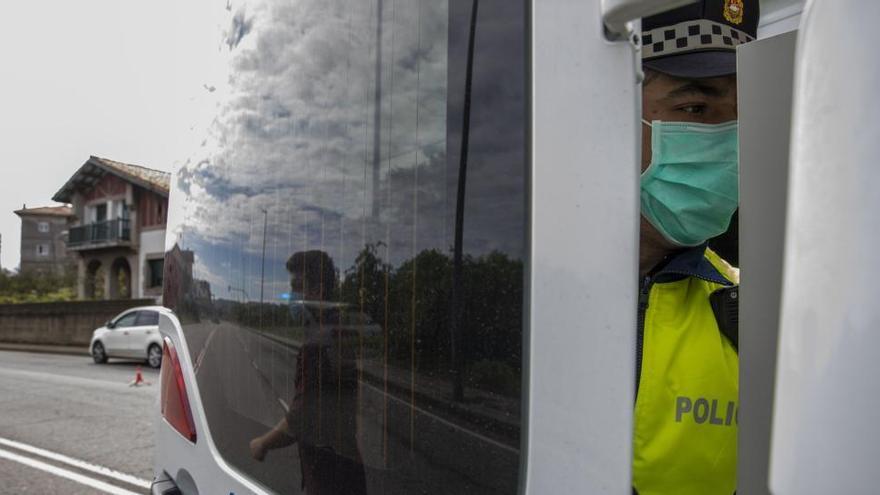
(699, 40)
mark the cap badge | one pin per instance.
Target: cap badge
(733, 11)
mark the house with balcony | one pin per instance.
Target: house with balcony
(117, 235)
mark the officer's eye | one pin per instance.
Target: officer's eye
(693, 109)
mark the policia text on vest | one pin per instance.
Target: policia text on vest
(706, 411)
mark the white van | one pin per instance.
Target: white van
(464, 176)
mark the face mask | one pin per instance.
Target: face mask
(691, 189)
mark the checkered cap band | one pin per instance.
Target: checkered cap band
(689, 36)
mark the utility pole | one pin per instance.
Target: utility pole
(377, 111)
(263, 262)
(457, 289)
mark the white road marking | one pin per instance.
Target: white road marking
(64, 473)
(86, 466)
(201, 356)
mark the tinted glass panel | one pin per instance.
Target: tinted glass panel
(348, 277)
(127, 320)
(147, 318)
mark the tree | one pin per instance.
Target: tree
(37, 286)
(365, 283)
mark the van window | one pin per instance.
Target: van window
(349, 278)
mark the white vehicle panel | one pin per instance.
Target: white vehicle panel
(764, 80)
(582, 314)
(825, 435)
(180, 458)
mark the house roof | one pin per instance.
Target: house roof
(95, 168)
(58, 211)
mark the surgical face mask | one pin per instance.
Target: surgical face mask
(691, 188)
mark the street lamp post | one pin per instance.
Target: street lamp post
(457, 289)
(377, 112)
(263, 262)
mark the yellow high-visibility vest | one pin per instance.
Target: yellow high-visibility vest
(684, 439)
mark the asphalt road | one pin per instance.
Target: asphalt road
(70, 426)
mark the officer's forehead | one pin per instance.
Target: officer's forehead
(664, 85)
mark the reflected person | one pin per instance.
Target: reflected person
(322, 417)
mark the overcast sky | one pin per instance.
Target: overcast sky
(122, 79)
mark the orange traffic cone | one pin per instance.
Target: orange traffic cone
(138, 379)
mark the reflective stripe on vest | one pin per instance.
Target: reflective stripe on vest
(684, 440)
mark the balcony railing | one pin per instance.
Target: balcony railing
(108, 232)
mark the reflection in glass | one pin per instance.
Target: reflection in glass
(312, 265)
(322, 416)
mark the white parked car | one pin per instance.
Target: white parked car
(133, 334)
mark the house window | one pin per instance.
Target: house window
(43, 227)
(156, 269)
(42, 250)
(101, 212)
(121, 209)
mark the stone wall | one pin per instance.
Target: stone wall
(61, 323)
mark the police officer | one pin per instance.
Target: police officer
(684, 439)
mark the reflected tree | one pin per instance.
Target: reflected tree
(419, 312)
